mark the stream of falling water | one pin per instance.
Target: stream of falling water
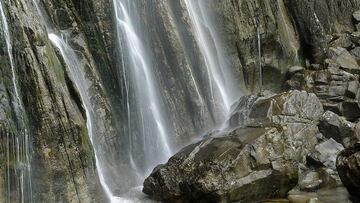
(148, 129)
(18, 143)
(73, 64)
(221, 80)
(148, 112)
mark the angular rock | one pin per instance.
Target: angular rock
(287, 107)
(326, 153)
(240, 111)
(338, 128)
(344, 59)
(348, 166)
(356, 53)
(343, 40)
(350, 110)
(246, 164)
(321, 78)
(352, 89)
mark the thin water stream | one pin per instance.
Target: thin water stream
(18, 142)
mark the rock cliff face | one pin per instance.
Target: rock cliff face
(274, 34)
(62, 158)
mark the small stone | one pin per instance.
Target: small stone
(310, 181)
(321, 77)
(331, 64)
(355, 38)
(356, 16)
(301, 197)
(315, 66)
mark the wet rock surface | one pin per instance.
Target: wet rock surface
(248, 163)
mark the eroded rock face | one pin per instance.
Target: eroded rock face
(62, 167)
(348, 166)
(319, 18)
(245, 164)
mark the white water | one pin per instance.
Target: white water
(73, 64)
(221, 80)
(79, 79)
(21, 143)
(150, 116)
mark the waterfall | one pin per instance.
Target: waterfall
(221, 81)
(148, 126)
(73, 64)
(146, 115)
(18, 143)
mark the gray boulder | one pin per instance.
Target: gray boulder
(326, 153)
(244, 164)
(334, 126)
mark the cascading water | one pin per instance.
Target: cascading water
(73, 64)
(79, 80)
(221, 80)
(18, 143)
(146, 116)
(148, 125)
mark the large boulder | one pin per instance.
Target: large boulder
(348, 166)
(326, 153)
(245, 164)
(338, 128)
(346, 61)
